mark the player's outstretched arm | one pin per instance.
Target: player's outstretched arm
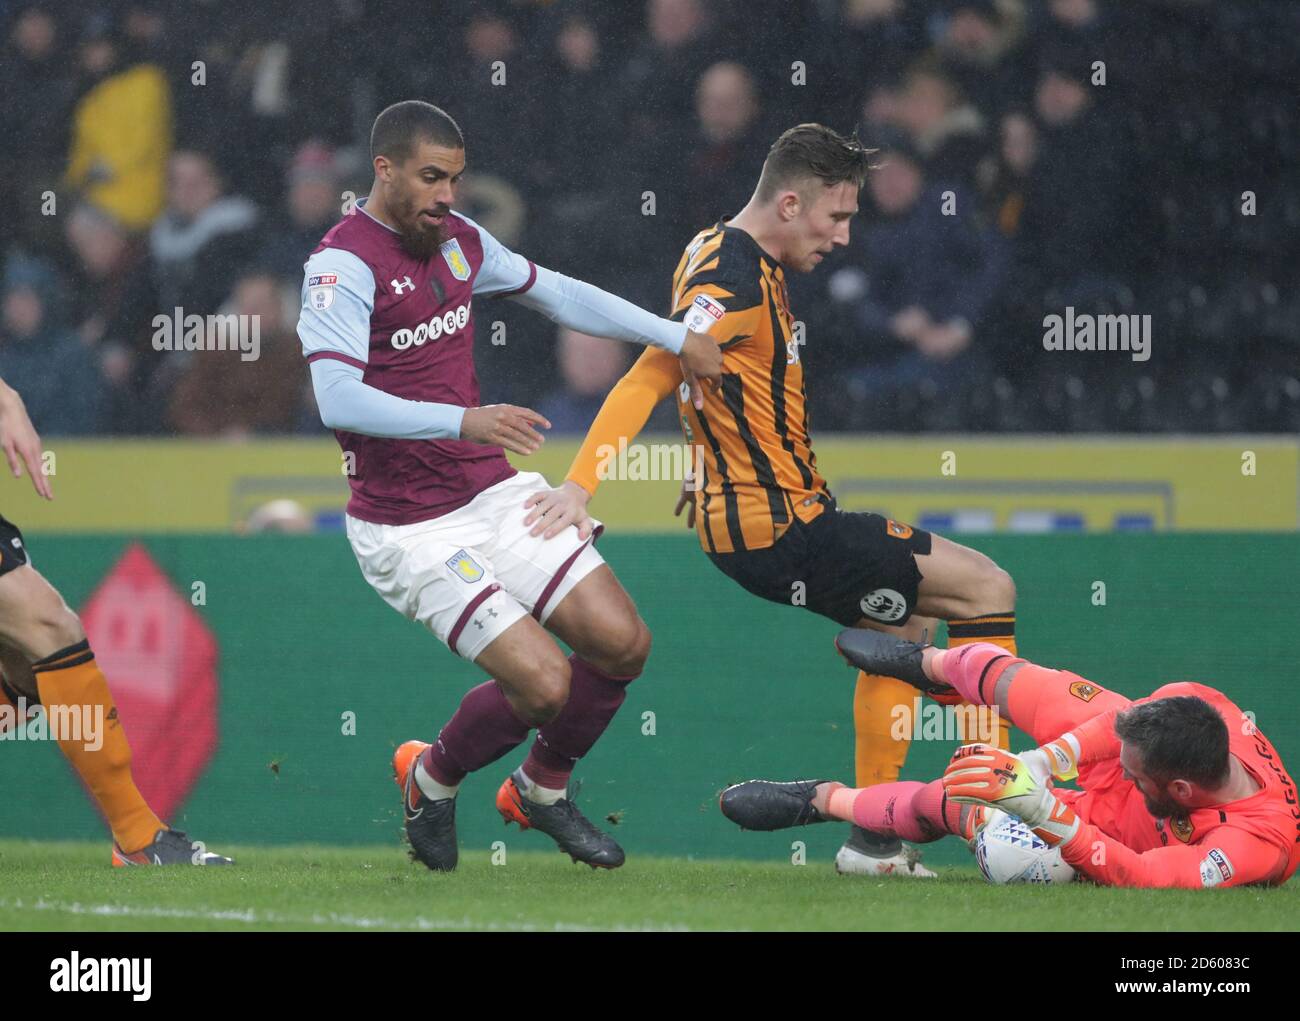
(21, 443)
(1226, 857)
(588, 309)
(983, 775)
(655, 375)
(623, 415)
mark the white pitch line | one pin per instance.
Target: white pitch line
(253, 916)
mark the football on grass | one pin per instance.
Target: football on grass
(1008, 851)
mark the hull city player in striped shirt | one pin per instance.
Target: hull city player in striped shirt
(764, 514)
(436, 514)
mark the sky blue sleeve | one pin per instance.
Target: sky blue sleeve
(503, 272)
(338, 295)
(346, 403)
(579, 306)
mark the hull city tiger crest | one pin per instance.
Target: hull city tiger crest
(455, 259)
(1084, 690)
(898, 531)
(465, 567)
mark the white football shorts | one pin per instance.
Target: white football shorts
(470, 574)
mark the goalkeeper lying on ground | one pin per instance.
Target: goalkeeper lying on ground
(1178, 788)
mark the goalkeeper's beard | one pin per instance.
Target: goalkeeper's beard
(1163, 807)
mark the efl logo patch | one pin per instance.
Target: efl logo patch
(704, 313)
(1085, 691)
(320, 290)
(884, 604)
(897, 530)
(465, 567)
(1215, 868)
(455, 259)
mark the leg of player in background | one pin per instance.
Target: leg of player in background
(977, 599)
(50, 660)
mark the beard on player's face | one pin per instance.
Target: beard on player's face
(1161, 805)
(419, 238)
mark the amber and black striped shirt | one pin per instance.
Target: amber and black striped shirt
(759, 468)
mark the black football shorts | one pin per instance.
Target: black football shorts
(13, 553)
(844, 565)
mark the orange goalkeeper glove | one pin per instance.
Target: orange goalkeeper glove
(982, 775)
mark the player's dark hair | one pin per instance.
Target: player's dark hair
(399, 128)
(1182, 738)
(813, 150)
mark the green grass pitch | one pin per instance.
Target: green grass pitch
(70, 886)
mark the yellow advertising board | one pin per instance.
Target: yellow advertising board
(949, 483)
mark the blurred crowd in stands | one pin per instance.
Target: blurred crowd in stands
(1111, 156)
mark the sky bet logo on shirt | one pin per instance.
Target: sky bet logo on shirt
(320, 290)
(448, 323)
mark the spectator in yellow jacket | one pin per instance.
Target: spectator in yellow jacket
(121, 135)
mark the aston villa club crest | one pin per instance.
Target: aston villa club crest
(465, 567)
(455, 259)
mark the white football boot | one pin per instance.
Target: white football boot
(855, 858)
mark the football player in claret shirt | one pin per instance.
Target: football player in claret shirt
(763, 512)
(47, 661)
(1178, 789)
(436, 514)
